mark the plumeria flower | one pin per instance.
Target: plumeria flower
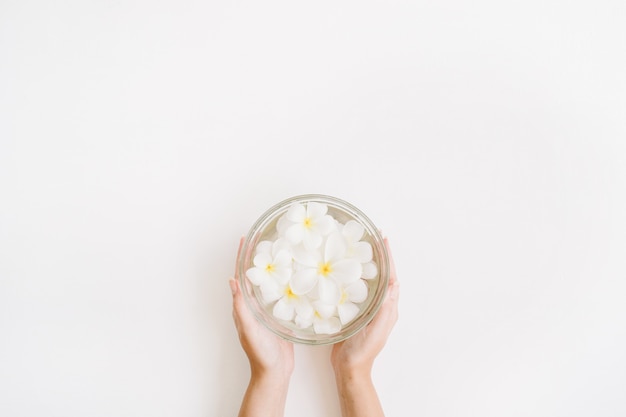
(370, 270)
(353, 232)
(308, 224)
(287, 304)
(353, 293)
(322, 317)
(272, 264)
(361, 250)
(328, 268)
(312, 274)
(290, 304)
(324, 322)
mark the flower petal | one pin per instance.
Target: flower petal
(313, 295)
(311, 239)
(327, 326)
(303, 322)
(310, 258)
(283, 258)
(353, 231)
(328, 291)
(303, 281)
(282, 275)
(283, 310)
(315, 210)
(256, 276)
(325, 225)
(264, 246)
(370, 270)
(282, 224)
(347, 312)
(304, 309)
(262, 260)
(362, 251)
(281, 244)
(270, 291)
(335, 247)
(296, 213)
(324, 310)
(357, 292)
(346, 271)
(295, 233)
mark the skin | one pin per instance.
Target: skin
(271, 359)
(353, 359)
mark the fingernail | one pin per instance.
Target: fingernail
(233, 285)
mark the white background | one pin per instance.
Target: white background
(140, 139)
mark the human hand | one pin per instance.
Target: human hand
(357, 353)
(268, 354)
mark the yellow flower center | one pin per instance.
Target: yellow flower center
(344, 297)
(290, 293)
(270, 268)
(308, 223)
(324, 269)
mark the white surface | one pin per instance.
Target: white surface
(140, 139)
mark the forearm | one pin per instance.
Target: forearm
(265, 396)
(357, 395)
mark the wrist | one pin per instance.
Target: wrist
(271, 375)
(266, 394)
(352, 371)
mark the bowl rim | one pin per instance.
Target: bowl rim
(379, 247)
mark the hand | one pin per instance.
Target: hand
(357, 353)
(269, 355)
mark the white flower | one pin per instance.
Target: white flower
(308, 224)
(312, 274)
(327, 268)
(353, 232)
(361, 250)
(353, 293)
(370, 270)
(322, 317)
(272, 265)
(324, 323)
(290, 305)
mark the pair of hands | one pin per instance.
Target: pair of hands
(271, 355)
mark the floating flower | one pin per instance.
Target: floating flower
(312, 274)
(308, 224)
(361, 250)
(328, 269)
(353, 293)
(322, 317)
(290, 304)
(272, 265)
(355, 247)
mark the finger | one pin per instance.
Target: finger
(380, 327)
(387, 315)
(239, 308)
(234, 288)
(242, 314)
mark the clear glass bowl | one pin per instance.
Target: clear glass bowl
(265, 229)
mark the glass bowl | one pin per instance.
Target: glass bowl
(294, 253)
